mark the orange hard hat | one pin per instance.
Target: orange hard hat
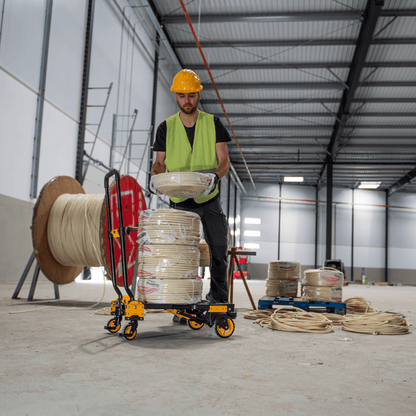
(186, 81)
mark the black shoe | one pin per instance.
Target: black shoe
(179, 320)
(211, 299)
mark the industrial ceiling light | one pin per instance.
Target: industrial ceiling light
(293, 179)
(369, 185)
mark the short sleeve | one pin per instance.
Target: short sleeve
(160, 140)
(221, 132)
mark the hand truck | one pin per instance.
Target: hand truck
(219, 315)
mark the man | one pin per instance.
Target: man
(190, 141)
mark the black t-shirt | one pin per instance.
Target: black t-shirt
(221, 134)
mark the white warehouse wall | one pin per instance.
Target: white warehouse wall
(297, 235)
(20, 58)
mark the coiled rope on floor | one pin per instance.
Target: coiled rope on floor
(292, 319)
(181, 184)
(359, 305)
(377, 324)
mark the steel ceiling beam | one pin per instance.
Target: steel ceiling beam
(323, 127)
(297, 65)
(402, 182)
(264, 17)
(290, 43)
(309, 85)
(315, 115)
(305, 100)
(372, 13)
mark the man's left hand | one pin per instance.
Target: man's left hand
(213, 184)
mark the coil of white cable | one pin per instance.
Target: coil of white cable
(181, 184)
(168, 261)
(169, 291)
(168, 226)
(283, 277)
(322, 293)
(288, 288)
(325, 276)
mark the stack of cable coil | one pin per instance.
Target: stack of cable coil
(322, 285)
(283, 278)
(169, 257)
(205, 258)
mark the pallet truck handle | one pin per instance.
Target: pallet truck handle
(122, 233)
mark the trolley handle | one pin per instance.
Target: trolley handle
(122, 232)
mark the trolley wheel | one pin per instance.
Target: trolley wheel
(112, 325)
(225, 333)
(129, 332)
(194, 325)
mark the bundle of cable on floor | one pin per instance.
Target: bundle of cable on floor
(292, 319)
(258, 314)
(377, 324)
(358, 305)
(169, 226)
(181, 184)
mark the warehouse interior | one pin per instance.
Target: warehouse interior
(319, 98)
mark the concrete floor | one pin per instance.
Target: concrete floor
(63, 362)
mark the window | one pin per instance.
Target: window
(251, 233)
(252, 220)
(252, 246)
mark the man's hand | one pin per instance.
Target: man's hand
(152, 188)
(214, 182)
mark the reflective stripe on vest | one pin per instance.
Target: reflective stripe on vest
(181, 158)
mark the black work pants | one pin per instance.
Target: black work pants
(215, 228)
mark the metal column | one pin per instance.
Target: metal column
(41, 100)
(280, 221)
(352, 238)
(229, 197)
(316, 226)
(235, 214)
(329, 183)
(386, 272)
(153, 116)
(84, 91)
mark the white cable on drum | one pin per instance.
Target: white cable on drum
(170, 291)
(325, 276)
(181, 184)
(74, 230)
(322, 293)
(168, 261)
(169, 226)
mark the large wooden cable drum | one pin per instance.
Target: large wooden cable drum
(70, 228)
(282, 279)
(168, 270)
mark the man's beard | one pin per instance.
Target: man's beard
(188, 110)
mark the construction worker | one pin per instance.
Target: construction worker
(191, 141)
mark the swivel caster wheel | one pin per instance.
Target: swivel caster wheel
(194, 325)
(129, 332)
(113, 326)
